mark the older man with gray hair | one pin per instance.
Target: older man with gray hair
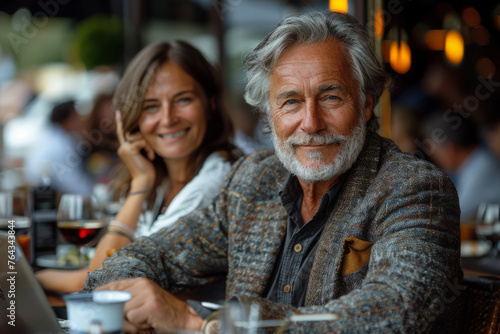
(337, 221)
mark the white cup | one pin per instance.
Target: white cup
(96, 312)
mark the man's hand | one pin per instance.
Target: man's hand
(153, 307)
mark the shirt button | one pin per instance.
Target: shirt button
(286, 288)
(297, 248)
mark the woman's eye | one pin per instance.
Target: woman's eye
(291, 101)
(150, 107)
(332, 98)
(185, 100)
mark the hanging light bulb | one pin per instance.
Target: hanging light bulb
(379, 23)
(339, 6)
(454, 47)
(400, 57)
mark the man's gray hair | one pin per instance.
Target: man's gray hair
(315, 27)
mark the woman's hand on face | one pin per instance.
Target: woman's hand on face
(141, 169)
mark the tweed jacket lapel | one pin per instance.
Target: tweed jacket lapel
(324, 277)
(257, 235)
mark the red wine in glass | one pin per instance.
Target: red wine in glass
(80, 233)
(78, 220)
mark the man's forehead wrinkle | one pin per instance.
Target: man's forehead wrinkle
(288, 92)
(284, 93)
(302, 63)
(330, 86)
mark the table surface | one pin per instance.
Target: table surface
(481, 266)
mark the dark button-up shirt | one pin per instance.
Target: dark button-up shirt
(288, 283)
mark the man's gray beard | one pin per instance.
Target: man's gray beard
(351, 146)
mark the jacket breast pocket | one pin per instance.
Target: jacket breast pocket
(355, 263)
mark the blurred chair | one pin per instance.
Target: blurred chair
(482, 298)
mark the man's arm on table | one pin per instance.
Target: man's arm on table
(169, 260)
(192, 253)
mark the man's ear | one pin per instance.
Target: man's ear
(368, 108)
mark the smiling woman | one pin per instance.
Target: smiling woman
(175, 144)
(173, 121)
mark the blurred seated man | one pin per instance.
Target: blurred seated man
(337, 221)
(57, 157)
(492, 135)
(453, 144)
(405, 128)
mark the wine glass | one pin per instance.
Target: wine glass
(488, 226)
(79, 221)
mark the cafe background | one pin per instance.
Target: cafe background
(443, 58)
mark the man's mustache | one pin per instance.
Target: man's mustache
(316, 139)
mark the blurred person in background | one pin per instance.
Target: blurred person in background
(57, 159)
(453, 143)
(252, 133)
(102, 135)
(405, 129)
(490, 123)
(407, 113)
(175, 144)
(492, 134)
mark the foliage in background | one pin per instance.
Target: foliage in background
(99, 41)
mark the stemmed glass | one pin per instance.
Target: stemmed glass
(488, 226)
(79, 221)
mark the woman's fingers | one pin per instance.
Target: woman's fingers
(150, 153)
(119, 127)
(125, 137)
(132, 137)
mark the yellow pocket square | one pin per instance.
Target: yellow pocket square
(356, 255)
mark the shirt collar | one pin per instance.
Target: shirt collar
(292, 192)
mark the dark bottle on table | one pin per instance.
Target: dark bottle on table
(43, 222)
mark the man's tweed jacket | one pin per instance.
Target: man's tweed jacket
(388, 259)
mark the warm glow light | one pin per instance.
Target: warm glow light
(454, 47)
(400, 57)
(339, 6)
(379, 23)
(385, 50)
(481, 35)
(485, 68)
(471, 17)
(435, 39)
